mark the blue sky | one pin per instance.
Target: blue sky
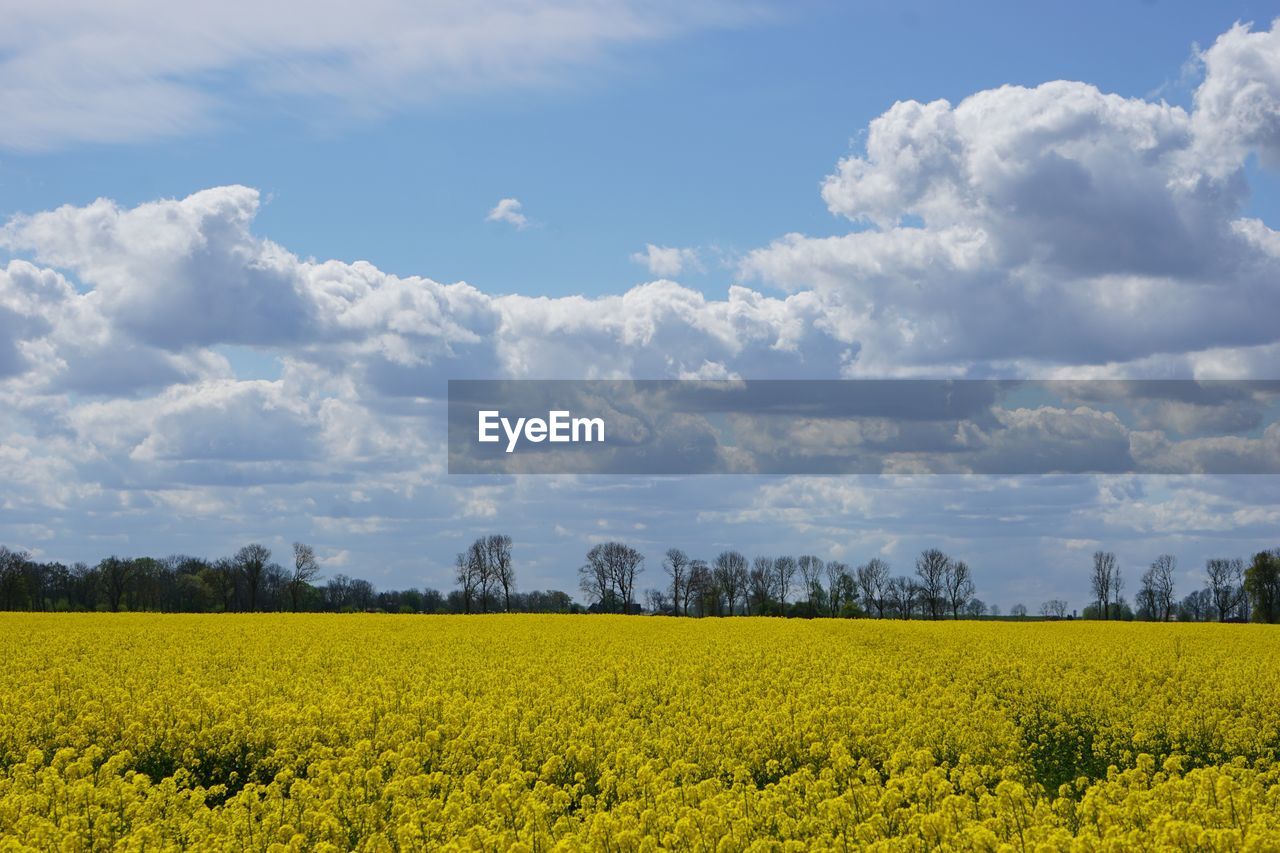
(199, 360)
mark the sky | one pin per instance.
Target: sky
(243, 249)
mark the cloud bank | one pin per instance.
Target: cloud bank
(1055, 231)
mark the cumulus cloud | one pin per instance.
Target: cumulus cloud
(113, 332)
(28, 296)
(1054, 225)
(1237, 108)
(667, 261)
(174, 274)
(82, 71)
(175, 278)
(508, 210)
(59, 340)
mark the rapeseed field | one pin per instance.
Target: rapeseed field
(368, 732)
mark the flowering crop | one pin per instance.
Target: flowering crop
(575, 732)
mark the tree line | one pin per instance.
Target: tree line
(250, 580)
(1232, 591)
(805, 586)
(610, 580)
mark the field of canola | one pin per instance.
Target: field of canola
(325, 732)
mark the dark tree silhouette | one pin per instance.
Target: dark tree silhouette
(116, 574)
(305, 569)
(958, 581)
(252, 562)
(873, 578)
(1104, 581)
(608, 578)
(676, 564)
(1226, 585)
(784, 570)
(498, 554)
(931, 568)
(1156, 594)
(732, 577)
(1262, 583)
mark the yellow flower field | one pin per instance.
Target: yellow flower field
(311, 732)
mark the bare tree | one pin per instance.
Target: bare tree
(741, 580)
(784, 570)
(731, 576)
(362, 593)
(841, 586)
(1145, 600)
(222, 577)
(676, 564)
(337, 592)
(656, 601)
(1054, 608)
(594, 578)
(1226, 585)
(873, 577)
(628, 564)
(958, 585)
(252, 561)
(305, 570)
(1018, 611)
(609, 575)
(501, 569)
(698, 575)
(703, 591)
(761, 584)
(904, 596)
(1117, 585)
(1155, 596)
(275, 586)
(482, 569)
(932, 567)
(811, 576)
(467, 578)
(1196, 606)
(894, 597)
(1165, 566)
(1104, 581)
(833, 587)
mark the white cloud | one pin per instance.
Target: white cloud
(479, 502)
(1237, 107)
(168, 281)
(1177, 505)
(335, 559)
(667, 261)
(116, 400)
(76, 70)
(174, 274)
(1058, 225)
(508, 210)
